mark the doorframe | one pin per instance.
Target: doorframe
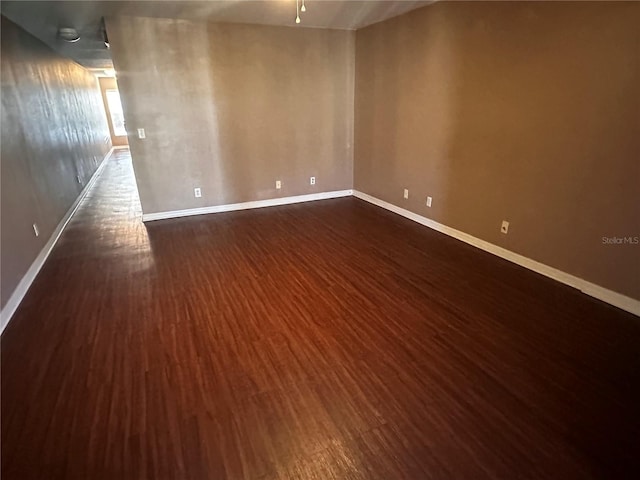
(109, 83)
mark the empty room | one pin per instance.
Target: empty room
(320, 240)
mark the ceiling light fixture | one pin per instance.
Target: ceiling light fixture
(303, 9)
(297, 11)
(68, 34)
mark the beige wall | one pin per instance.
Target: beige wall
(232, 108)
(53, 129)
(528, 112)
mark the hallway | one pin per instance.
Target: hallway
(326, 340)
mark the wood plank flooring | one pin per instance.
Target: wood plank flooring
(327, 340)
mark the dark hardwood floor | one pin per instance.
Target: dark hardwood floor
(327, 340)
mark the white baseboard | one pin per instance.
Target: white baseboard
(271, 202)
(609, 296)
(616, 299)
(28, 278)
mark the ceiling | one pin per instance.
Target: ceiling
(43, 18)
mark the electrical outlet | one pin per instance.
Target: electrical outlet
(278, 184)
(406, 193)
(505, 227)
(197, 192)
(429, 200)
(141, 133)
(312, 181)
(36, 230)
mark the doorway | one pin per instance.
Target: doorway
(113, 109)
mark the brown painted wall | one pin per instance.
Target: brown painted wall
(232, 108)
(528, 112)
(53, 129)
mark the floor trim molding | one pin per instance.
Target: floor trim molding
(609, 296)
(271, 202)
(23, 287)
